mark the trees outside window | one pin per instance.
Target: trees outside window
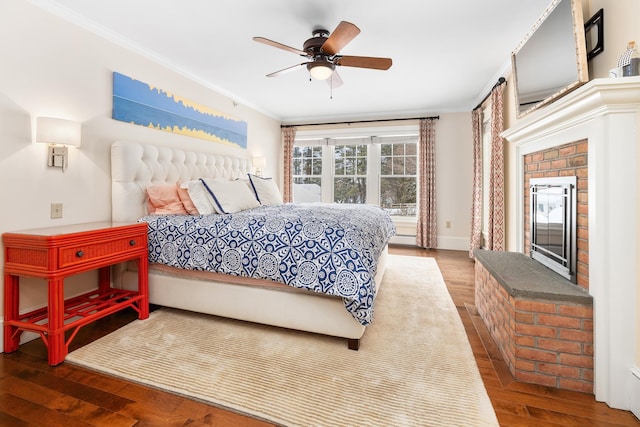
(350, 173)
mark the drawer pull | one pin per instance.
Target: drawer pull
(79, 254)
(132, 242)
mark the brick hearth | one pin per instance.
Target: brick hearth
(541, 322)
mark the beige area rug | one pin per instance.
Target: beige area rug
(414, 367)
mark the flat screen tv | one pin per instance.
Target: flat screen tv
(552, 59)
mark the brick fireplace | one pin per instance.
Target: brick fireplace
(545, 335)
(603, 118)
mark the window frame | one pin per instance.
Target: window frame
(312, 176)
(331, 148)
(404, 156)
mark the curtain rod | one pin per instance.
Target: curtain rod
(500, 81)
(361, 121)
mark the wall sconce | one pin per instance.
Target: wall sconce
(259, 163)
(59, 134)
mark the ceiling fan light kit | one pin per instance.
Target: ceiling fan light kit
(322, 49)
(321, 70)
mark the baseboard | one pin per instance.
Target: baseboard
(634, 399)
(453, 243)
(403, 240)
(445, 243)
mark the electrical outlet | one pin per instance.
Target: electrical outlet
(56, 210)
(448, 224)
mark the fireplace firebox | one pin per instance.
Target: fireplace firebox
(553, 224)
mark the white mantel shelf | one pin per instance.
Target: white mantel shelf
(606, 112)
(595, 98)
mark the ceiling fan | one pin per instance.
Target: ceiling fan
(322, 49)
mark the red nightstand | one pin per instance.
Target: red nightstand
(56, 253)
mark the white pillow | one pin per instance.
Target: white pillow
(265, 190)
(199, 196)
(229, 196)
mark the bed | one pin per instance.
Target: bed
(233, 294)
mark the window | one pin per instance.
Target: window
(398, 178)
(380, 170)
(350, 173)
(307, 174)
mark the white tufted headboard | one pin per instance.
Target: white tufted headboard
(135, 166)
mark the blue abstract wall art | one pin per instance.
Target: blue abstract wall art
(145, 105)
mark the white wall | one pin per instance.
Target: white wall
(621, 25)
(454, 174)
(53, 68)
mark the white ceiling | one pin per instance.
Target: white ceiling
(446, 54)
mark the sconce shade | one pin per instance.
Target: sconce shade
(259, 162)
(58, 131)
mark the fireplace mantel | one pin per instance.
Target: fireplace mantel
(596, 98)
(606, 112)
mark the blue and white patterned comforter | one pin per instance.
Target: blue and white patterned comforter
(327, 248)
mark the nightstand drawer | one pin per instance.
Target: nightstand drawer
(84, 253)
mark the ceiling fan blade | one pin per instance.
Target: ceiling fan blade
(286, 70)
(280, 46)
(335, 81)
(364, 62)
(343, 34)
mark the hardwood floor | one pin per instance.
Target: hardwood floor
(34, 394)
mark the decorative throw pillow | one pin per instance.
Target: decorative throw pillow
(199, 196)
(164, 200)
(229, 196)
(265, 190)
(191, 209)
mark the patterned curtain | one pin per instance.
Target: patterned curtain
(476, 202)
(495, 233)
(426, 236)
(288, 137)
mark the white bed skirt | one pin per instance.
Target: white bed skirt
(305, 311)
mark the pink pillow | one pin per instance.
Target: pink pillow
(183, 193)
(164, 200)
